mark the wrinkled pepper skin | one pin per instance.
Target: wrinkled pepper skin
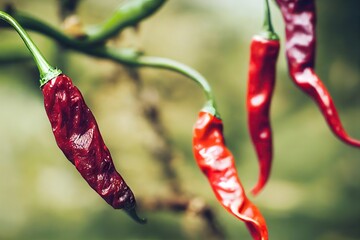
(77, 135)
(217, 163)
(261, 82)
(300, 29)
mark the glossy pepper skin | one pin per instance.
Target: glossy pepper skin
(261, 83)
(217, 163)
(300, 27)
(77, 135)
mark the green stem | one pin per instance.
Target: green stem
(124, 56)
(47, 72)
(130, 13)
(268, 30)
(169, 64)
(127, 15)
(132, 58)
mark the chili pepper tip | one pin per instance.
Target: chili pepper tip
(133, 214)
(255, 191)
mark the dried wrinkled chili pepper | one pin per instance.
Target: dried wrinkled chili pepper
(300, 28)
(264, 51)
(218, 164)
(78, 136)
(77, 133)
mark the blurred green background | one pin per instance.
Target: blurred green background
(314, 190)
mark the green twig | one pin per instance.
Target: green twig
(134, 59)
(47, 72)
(268, 30)
(124, 56)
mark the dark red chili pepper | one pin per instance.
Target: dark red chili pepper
(300, 26)
(217, 163)
(76, 131)
(77, 135)
(264, 51)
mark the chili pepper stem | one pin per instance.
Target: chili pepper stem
(268, 30)
(46, 71)
(189, 72)
(137, 59)
(209, 108)
(127, 14)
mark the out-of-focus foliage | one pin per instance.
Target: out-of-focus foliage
(314, 190)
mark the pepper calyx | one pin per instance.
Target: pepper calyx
(210, 108)
(269, 35)
(48, 75)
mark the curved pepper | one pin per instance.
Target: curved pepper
(78, 136)
(300, 26)
(217, 163)
(76, 131)
(261, 82)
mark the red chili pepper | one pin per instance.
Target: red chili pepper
(76, 131)
(261, 81)
(264, 51)
(217, 163)
(300, 26)
(77, 135)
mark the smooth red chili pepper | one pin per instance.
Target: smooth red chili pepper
(77, 135)
(217, 163)
(300, 26)
(264, 52)
(261, 82)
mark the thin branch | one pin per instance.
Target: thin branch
(194, 206)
